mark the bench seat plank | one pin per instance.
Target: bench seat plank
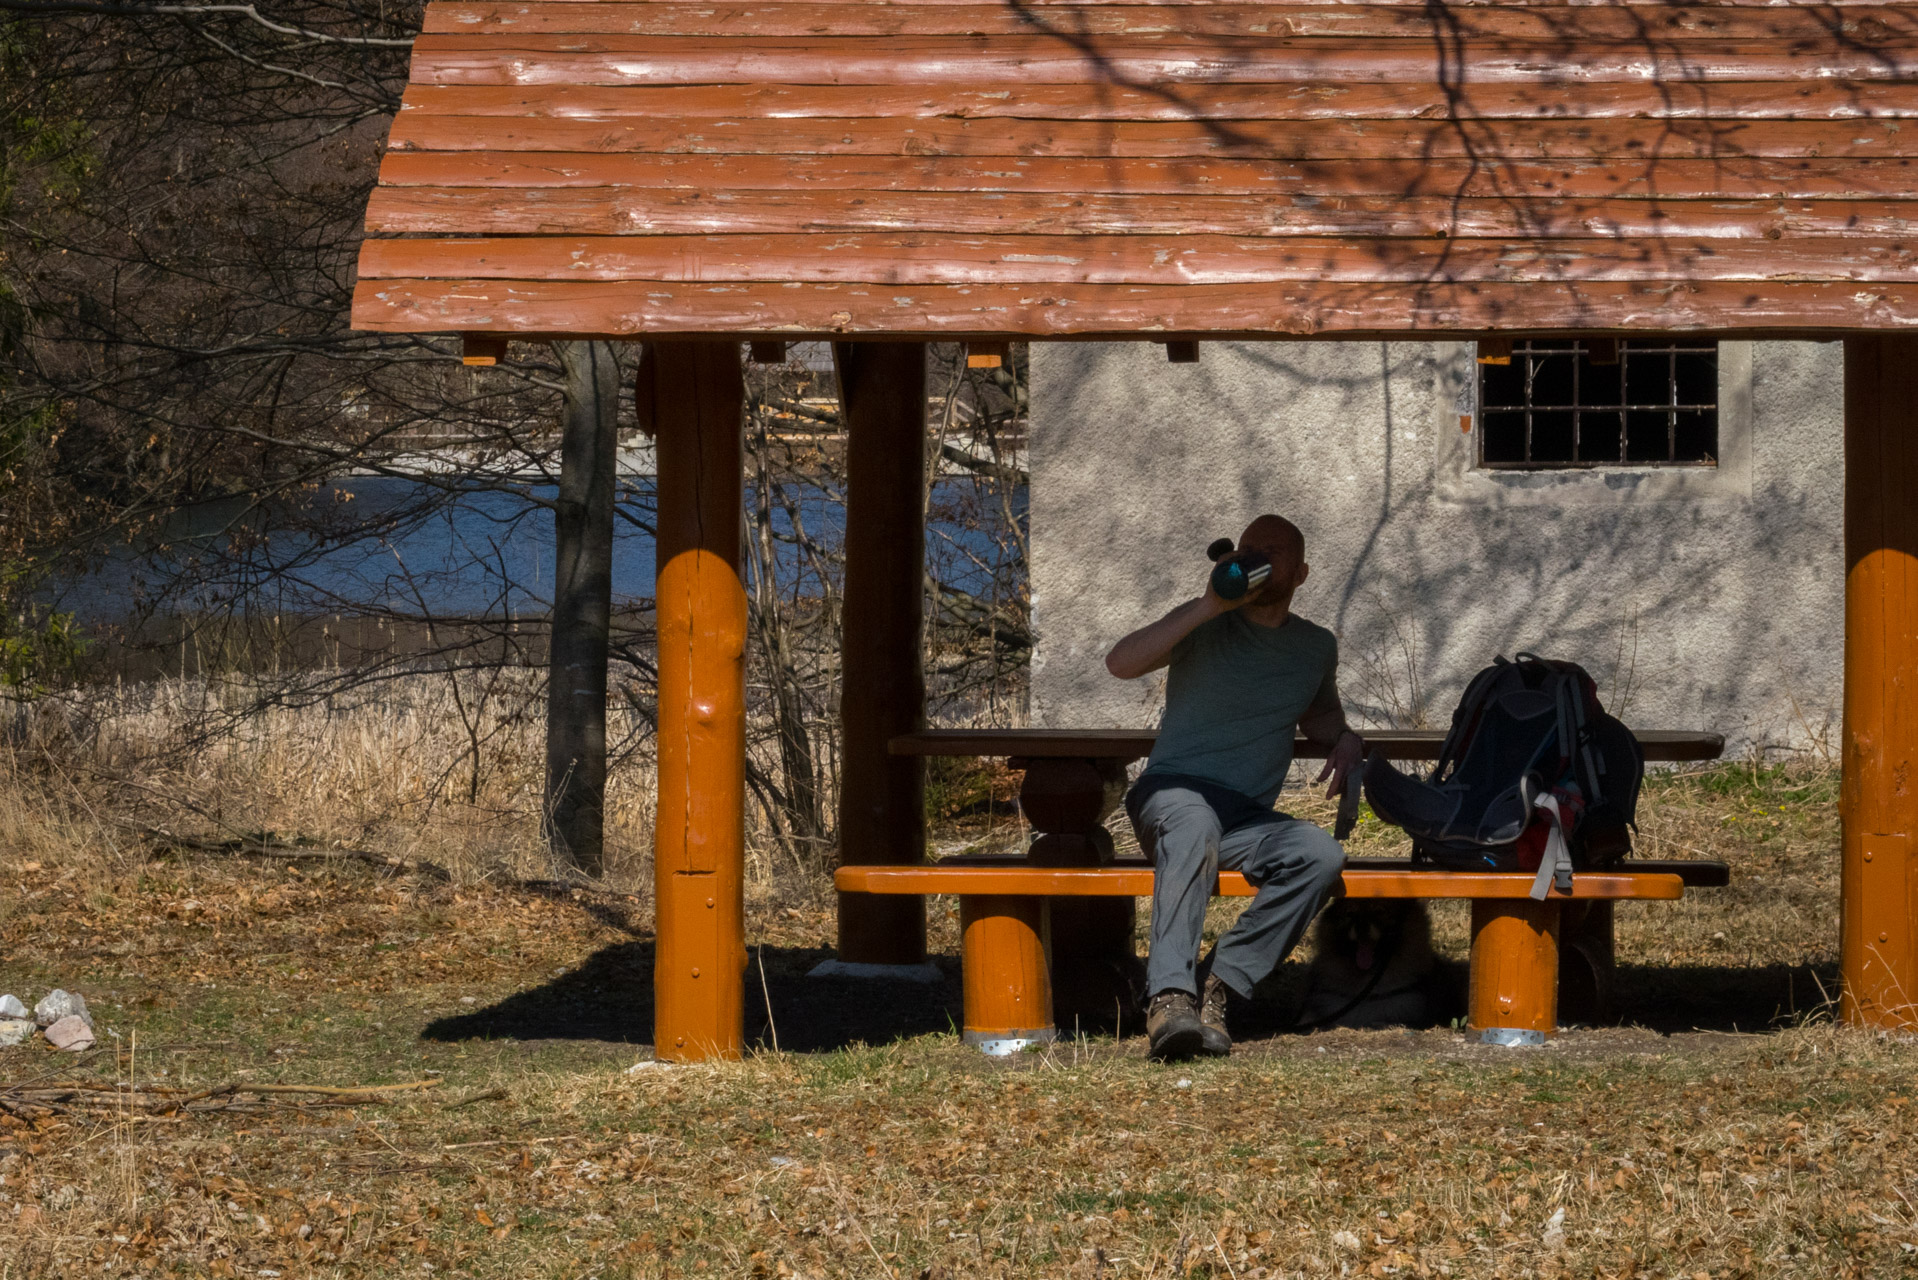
(1697, 873)
(1021, 880)
(1664, 746)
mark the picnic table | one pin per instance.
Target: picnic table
(1048, 933)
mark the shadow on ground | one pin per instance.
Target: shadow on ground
(610, 998)
(1665, 999)
(1723, 998)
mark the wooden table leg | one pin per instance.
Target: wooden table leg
(1514, 970)
(1094, 969)
(1098, 980)
(1586, 961)
(1008, 992)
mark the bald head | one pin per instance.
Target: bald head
(1278, 540)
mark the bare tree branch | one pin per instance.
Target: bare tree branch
(80, 7)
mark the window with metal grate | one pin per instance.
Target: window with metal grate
(1582, 403)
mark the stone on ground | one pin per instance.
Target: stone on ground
(10, 1007)
(71, 1033)
(15, 1031)
(60, 1004)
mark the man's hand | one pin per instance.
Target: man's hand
(1347, 754)
(1219, 604)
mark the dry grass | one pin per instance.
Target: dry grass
(1701, 1151)
(443, 768)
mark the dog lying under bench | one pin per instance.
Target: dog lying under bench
(1373, 966)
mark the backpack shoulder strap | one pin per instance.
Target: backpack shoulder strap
(1465, 720)
(1555, 866)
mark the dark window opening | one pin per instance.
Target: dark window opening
(1575, 403)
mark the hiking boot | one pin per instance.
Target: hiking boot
(1214, 1040)
(1172, 1026)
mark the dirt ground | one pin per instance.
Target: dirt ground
(1724, 1128)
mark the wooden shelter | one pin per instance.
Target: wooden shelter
(881, 174)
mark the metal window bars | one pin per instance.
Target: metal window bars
(1583, 403)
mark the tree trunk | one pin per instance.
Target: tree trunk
(801, 799)
(582, 607)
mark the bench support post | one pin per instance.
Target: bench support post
(1514, 996)
(1008, 992)
(882, 807)
(1878, 806)
(699, 839)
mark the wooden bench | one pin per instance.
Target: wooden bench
(1006, 904)
(1050, 933)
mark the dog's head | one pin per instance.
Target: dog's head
(1363, 931)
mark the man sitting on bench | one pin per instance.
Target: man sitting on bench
(1244, 677)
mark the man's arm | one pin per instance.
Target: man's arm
(1151, 646)
(1324, 724)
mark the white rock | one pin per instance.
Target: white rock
(62, 1004)
(15, 1031)
(71, 1033)
(10, 1007)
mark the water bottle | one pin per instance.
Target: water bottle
(1236, 574)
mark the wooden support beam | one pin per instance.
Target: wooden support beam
(769, 352)
(882, 386)
(1182, 352)
(1878, 805)
(988, 355)
(478, 351)
(699, 833)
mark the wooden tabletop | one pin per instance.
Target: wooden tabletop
(1660, 745)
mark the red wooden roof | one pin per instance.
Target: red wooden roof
(1053, 168)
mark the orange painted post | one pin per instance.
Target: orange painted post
(1878, 804)
(699, 834)
(1008, 993)
(882, 806)
(1514, 996)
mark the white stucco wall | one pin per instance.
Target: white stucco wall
(1709, 601)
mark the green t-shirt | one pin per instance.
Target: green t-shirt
(1234, 695)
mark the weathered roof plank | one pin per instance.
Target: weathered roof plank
(1071, 168)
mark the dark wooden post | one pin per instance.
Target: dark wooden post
(882, 816)
(582, 606)
(1879, 799)
(1097, 981)
(696, 402)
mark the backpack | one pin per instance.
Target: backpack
(1533, 776)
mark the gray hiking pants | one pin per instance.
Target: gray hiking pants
(1191, 830)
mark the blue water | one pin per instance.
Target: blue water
(391, 545)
